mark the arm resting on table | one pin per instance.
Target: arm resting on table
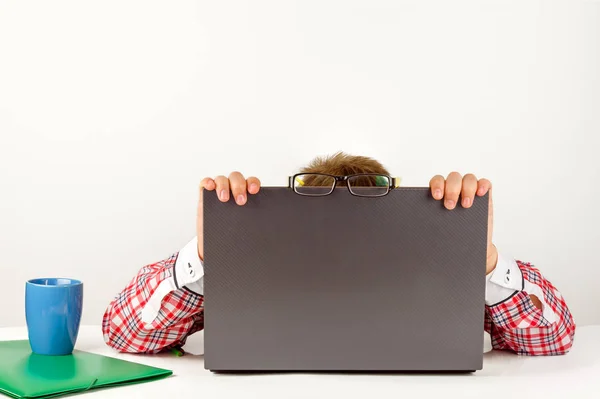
(160, 307)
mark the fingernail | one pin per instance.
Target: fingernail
(437, 194)
(241, 199)
(450, 204)
(467, 201)
(253, 187)
(481, 191)
(223, 194)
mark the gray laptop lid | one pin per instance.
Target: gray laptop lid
(343, 282)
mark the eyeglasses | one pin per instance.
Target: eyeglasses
(361, 185)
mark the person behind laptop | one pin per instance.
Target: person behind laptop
(163, 304)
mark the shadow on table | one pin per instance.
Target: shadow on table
(343, 372)
(585, 354)
(496, 363)
(505, 363)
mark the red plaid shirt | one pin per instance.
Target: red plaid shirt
(515, 324)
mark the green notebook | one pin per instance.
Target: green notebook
(24, 374)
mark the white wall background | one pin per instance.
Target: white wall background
(112, 111)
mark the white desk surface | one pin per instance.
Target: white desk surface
(575, 375)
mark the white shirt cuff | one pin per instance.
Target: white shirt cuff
(189, 270)
(188, 273)
(506, 280)
(503, 282)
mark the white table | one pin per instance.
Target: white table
(574, 375)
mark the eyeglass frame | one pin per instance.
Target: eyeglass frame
(394, 182)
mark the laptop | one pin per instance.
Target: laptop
(344, 283)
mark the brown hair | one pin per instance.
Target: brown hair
(342, 164)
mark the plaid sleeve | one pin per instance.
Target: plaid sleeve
(517, 325)
(181, 313)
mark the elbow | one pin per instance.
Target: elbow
(116, 334)
(563, 346)
(565, 335)
(564, 332)
(550, 340)
(127, 334)
(110, 330)
(560, 338)
(564, 350)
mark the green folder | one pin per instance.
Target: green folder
(24, 374)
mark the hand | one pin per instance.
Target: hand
(236, 186)
(468, 187)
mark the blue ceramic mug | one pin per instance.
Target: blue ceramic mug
(53, 312)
